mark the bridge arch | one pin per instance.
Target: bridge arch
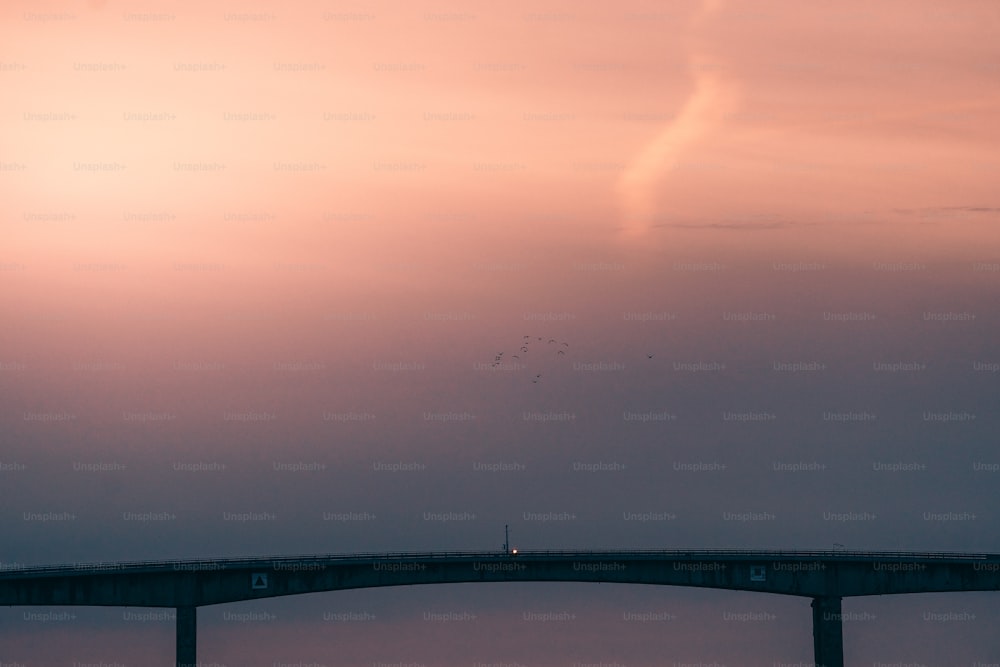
(825, 577)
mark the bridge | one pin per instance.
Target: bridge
(825, 576)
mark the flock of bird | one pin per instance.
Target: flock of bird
(526, 341)
(525, 347)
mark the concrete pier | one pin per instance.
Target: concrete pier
(828, 632)
(187, 636)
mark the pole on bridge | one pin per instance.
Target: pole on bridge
(187, 636)
(828, 632)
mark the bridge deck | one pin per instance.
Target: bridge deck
(9, 571)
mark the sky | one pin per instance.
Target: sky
(336, 277)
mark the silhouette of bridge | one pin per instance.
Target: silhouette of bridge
(825, 576)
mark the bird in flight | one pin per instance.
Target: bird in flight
(526, 341)
(649, 356)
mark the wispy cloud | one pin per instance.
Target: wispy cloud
(943, 210)
(711, 97)
(741, 226)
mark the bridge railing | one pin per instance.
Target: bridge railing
(16, 570)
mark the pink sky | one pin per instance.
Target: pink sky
(213, 208)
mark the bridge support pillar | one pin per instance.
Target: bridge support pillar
(828, 632)
(187, 636)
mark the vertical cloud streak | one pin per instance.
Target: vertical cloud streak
(711, 98)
